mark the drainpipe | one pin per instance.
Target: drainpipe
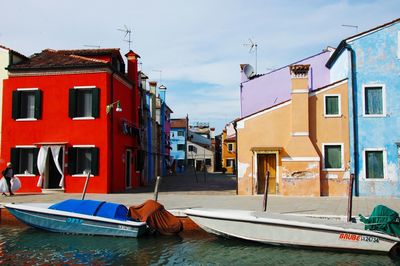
(355, 114)
(236, 157)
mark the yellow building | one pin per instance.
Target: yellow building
(228, 151)
(301, 143)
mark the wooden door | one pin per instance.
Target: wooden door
(266, 162)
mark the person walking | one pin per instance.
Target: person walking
(8, 173)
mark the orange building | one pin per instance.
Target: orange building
(228, 151)
(303, 143)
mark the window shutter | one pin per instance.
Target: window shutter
(95, 102)
(72, 103)
(38, 104)
(95, 161)
(35, 156)
(15, 159)
(16, 104)
(71, 161)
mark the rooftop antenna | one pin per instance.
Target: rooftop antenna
(91, 46)
(253, 48)
(127, 33)
(160, 71)
(351, 26)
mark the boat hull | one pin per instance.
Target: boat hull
(292, 233)
(72, 223)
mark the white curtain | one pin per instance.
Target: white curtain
(41, 163)
(55, 150)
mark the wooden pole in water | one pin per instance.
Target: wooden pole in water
(350, 198)
(266, 192)
(156, 188)
(85, 187)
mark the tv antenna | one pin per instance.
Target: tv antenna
(351, 26)
(253, 49)
(128, 32)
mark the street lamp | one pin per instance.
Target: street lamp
(110, 106)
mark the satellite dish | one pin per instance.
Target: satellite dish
(248, 71)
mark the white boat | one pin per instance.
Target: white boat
(293, 230)
(79, 217)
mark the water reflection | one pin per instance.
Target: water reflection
(33, 247)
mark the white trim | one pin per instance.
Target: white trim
(364, 176)
(300, 134)
(383, 99)
(300, 91)
(26, 119)
(85, 87)
(83, 146)
(398, 45)
(266, 111)
(25, 175)
(27, 89)
(341, 155)
(328, 88)
(300, 159)
(84, 118)
(25, 146)
(339, 105)
(81, 175)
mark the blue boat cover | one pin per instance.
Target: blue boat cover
(93, 207)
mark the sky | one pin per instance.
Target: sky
(197, 45)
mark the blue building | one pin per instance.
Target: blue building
(178, 138)
(371, 62)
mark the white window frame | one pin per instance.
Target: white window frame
(230, 149)
(81, 88)
(339, 107)
(30, 118)
(385, 177)
(341, 154)
(383, 100)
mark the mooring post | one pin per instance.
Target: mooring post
(85, 187)
(266, 192)
(350, 198)
(156, 188)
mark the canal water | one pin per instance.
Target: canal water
(27, 246)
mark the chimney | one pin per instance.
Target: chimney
(153, 87)
(162, 92)
(133, 75)
(299, 143)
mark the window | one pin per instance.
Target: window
(333, 156)
(84, 103)
(208, 162)
(191, 148)
(181, 147)
(374, 100)
(332, 105)
(81, 160)
(374, 167)
(24, 160)
(181, 133)
(26, 104)
(229, 162)
(230, 146)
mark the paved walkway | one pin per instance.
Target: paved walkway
(219, 191)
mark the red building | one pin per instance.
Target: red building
(62, 118)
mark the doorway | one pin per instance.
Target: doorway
(266, 162)
(128, 168)
(52, 173)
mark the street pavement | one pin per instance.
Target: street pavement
(216, 190)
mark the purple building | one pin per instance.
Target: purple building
(263, 91)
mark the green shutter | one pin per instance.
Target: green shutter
(95, 102)
(95, 161)
(72, 103)
(35, 156)
(15, 160)
(38, 104)
(71, 161)
(16, 104)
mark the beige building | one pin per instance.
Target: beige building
(304, 148)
